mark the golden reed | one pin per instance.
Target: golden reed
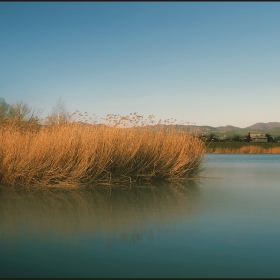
(246, 150)
(72, 153)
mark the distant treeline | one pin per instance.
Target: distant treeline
(22, 114)
(211, 137)
(19, 110)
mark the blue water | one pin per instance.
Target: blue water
(225, 225)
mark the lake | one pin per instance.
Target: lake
(227, 224)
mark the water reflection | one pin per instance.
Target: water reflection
(226, 225)
(116, 213)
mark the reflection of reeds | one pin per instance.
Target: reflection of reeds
(66, 214)
(71, 154)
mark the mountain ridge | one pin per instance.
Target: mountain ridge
(264, 126)
(258, 126)
(272, 128)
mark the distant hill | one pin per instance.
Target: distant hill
(264, 126)
(272, 128)
(227, 128)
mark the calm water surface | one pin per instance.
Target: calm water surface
(225, 225)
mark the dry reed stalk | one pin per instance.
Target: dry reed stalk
(71, 154)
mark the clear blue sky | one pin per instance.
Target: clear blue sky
(206, 63)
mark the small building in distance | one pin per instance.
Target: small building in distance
(202, 137)
(258, 137)
(244, 138)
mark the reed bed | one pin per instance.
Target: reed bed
(246, 150)
(71, 153)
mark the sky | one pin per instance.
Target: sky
(208, 63)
